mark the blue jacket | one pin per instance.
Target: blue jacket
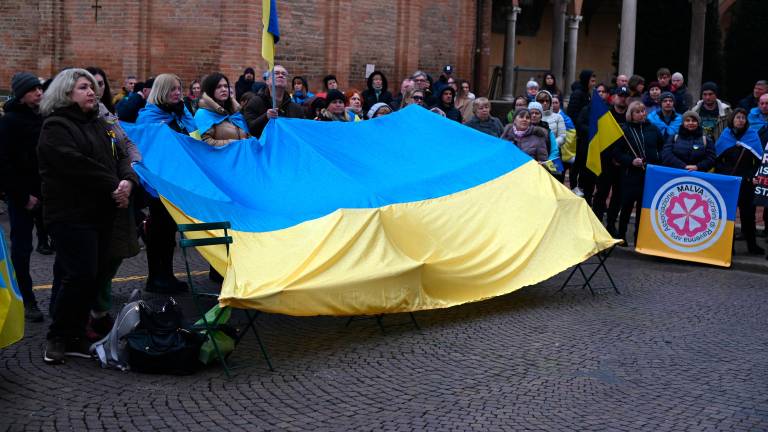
(667, 129)
(757, 119)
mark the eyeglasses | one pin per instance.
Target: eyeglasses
(418, 98)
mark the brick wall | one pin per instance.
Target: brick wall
(194, 37)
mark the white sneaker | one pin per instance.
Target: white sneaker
(577, 191)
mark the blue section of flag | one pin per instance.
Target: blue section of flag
(303, 170)
(597, 109)
(273, 27)
(750, 141)
(728, 186)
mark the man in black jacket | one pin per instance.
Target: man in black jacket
(128, 108)
(19, 177)
(581, 93)
(258, 110)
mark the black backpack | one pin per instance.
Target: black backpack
(160, 343)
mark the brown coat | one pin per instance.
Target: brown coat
(224, 132)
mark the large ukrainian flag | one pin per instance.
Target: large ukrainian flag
(11, 303)
(405, 212)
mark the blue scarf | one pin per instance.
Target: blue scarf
(152, 113)
(206, 119)
(657, 119)
(750, 141)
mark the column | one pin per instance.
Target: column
(628, 29)
(510, 46)
(696, 51)
(573, 44)
(558, 39)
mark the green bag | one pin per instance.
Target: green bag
(224, 335)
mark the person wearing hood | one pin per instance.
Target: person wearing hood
(482, 120)
(739, 153)
(665, 118)
(20, 178)
(245, 82)
(640, 146)
(581, 93)
(218, 117)
(336, 110)
(446, 104)
(377, 90)
(713, 113)
(690, 149)
(532, 140)
(164, 106)
(554, 120)
(379, 109)
(301, 91)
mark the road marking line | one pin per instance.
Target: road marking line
(128, 279)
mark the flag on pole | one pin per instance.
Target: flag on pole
(271, 34)
(603, 131)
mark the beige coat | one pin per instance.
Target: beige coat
(224, 132)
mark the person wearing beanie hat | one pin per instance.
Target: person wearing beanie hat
(20, 178)
(245, 82)
(690, 149)
(23, 82)
(531, 89)
(651, 98)
(712, 111)
(535, 106)
(665, 118)
(336, 108)
(379, 109)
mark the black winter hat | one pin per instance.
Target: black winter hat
(709, 85)
(23, 82)
(249, 70)
(333, 95)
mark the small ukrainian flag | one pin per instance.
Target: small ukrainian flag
(271, 34)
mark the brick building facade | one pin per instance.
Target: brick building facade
(194, 37)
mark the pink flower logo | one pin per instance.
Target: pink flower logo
(688, 214)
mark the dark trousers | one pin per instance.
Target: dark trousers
(82, 260)
(42, 233)
(608, 184)
(22, 224)
(747, 211)
(161, 241)
(631, 199)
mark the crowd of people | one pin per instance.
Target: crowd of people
(65, 160)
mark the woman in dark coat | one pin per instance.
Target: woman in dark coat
(376, 91)
(739, 153)
(640, 148)
(689, 149)
(86, 177)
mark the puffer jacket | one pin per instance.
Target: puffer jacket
(224, 132)
(534, 143)
(689, 148)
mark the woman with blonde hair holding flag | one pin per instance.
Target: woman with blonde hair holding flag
(637, 148)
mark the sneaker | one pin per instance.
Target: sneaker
(32, 313)
(578, 192)
(78, 348)
(54, 351)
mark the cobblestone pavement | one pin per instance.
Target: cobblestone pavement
(682, 348)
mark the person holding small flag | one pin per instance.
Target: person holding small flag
(739, 154)
(638, 147)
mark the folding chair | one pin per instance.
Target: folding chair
(211, 326)
(380, 321)
(601, 257)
